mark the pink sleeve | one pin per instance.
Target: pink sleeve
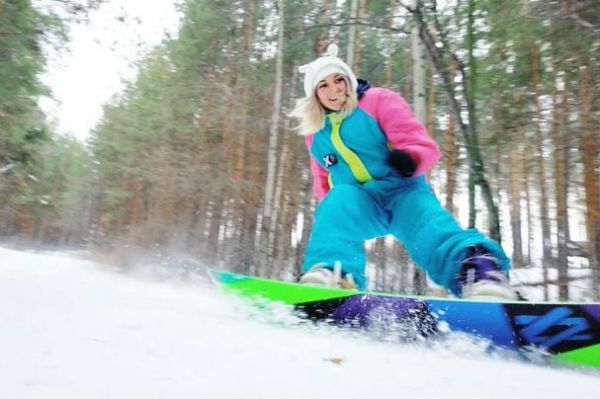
(319, 174)
(403, 130)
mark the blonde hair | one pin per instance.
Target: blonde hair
(311, 112)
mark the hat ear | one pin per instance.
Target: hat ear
(332, 50)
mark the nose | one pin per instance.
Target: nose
(332, 91)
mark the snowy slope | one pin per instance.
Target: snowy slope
(72, 329)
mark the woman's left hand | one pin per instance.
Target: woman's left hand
(402, 162)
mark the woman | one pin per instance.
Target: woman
(368, 158)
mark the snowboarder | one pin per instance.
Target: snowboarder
(368, 158)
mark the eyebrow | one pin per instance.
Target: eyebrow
(339, 75)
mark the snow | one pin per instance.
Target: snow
(73, 328)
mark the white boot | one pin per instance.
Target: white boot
(493, 289)
(319, 274)
(482, 278)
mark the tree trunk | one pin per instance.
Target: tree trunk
(378, 257)
(388, 67)
(529, 203)
(420, 109)
(539, 158)
(321, 40)
(269, 211)
(560, 168)
(307, 219)
(242, 133)
(278, 203)
(352, 32)
(247, 162)
(439, 51)
(471, 90)
(402, 260)
(591, 165)
(451, 158)
(357, 52)
(418, 73)
(516, 184)
(212, 238)
(419, 281)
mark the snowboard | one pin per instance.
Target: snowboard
(564, 332)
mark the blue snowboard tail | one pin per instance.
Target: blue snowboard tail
(567, 332)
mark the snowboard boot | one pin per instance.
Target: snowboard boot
(321, 275)
(481, 278)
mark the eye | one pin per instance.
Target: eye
(322, 85)
(339, 79)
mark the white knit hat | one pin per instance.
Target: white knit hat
(324, 66)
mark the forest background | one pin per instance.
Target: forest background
(196, 162)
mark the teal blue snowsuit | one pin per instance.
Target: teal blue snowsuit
(355, 208)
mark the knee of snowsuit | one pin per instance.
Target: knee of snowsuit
(407, 208)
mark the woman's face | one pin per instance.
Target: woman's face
(331, 91)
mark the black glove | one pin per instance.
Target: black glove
(402, 162)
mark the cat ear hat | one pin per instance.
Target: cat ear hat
(324, 66)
